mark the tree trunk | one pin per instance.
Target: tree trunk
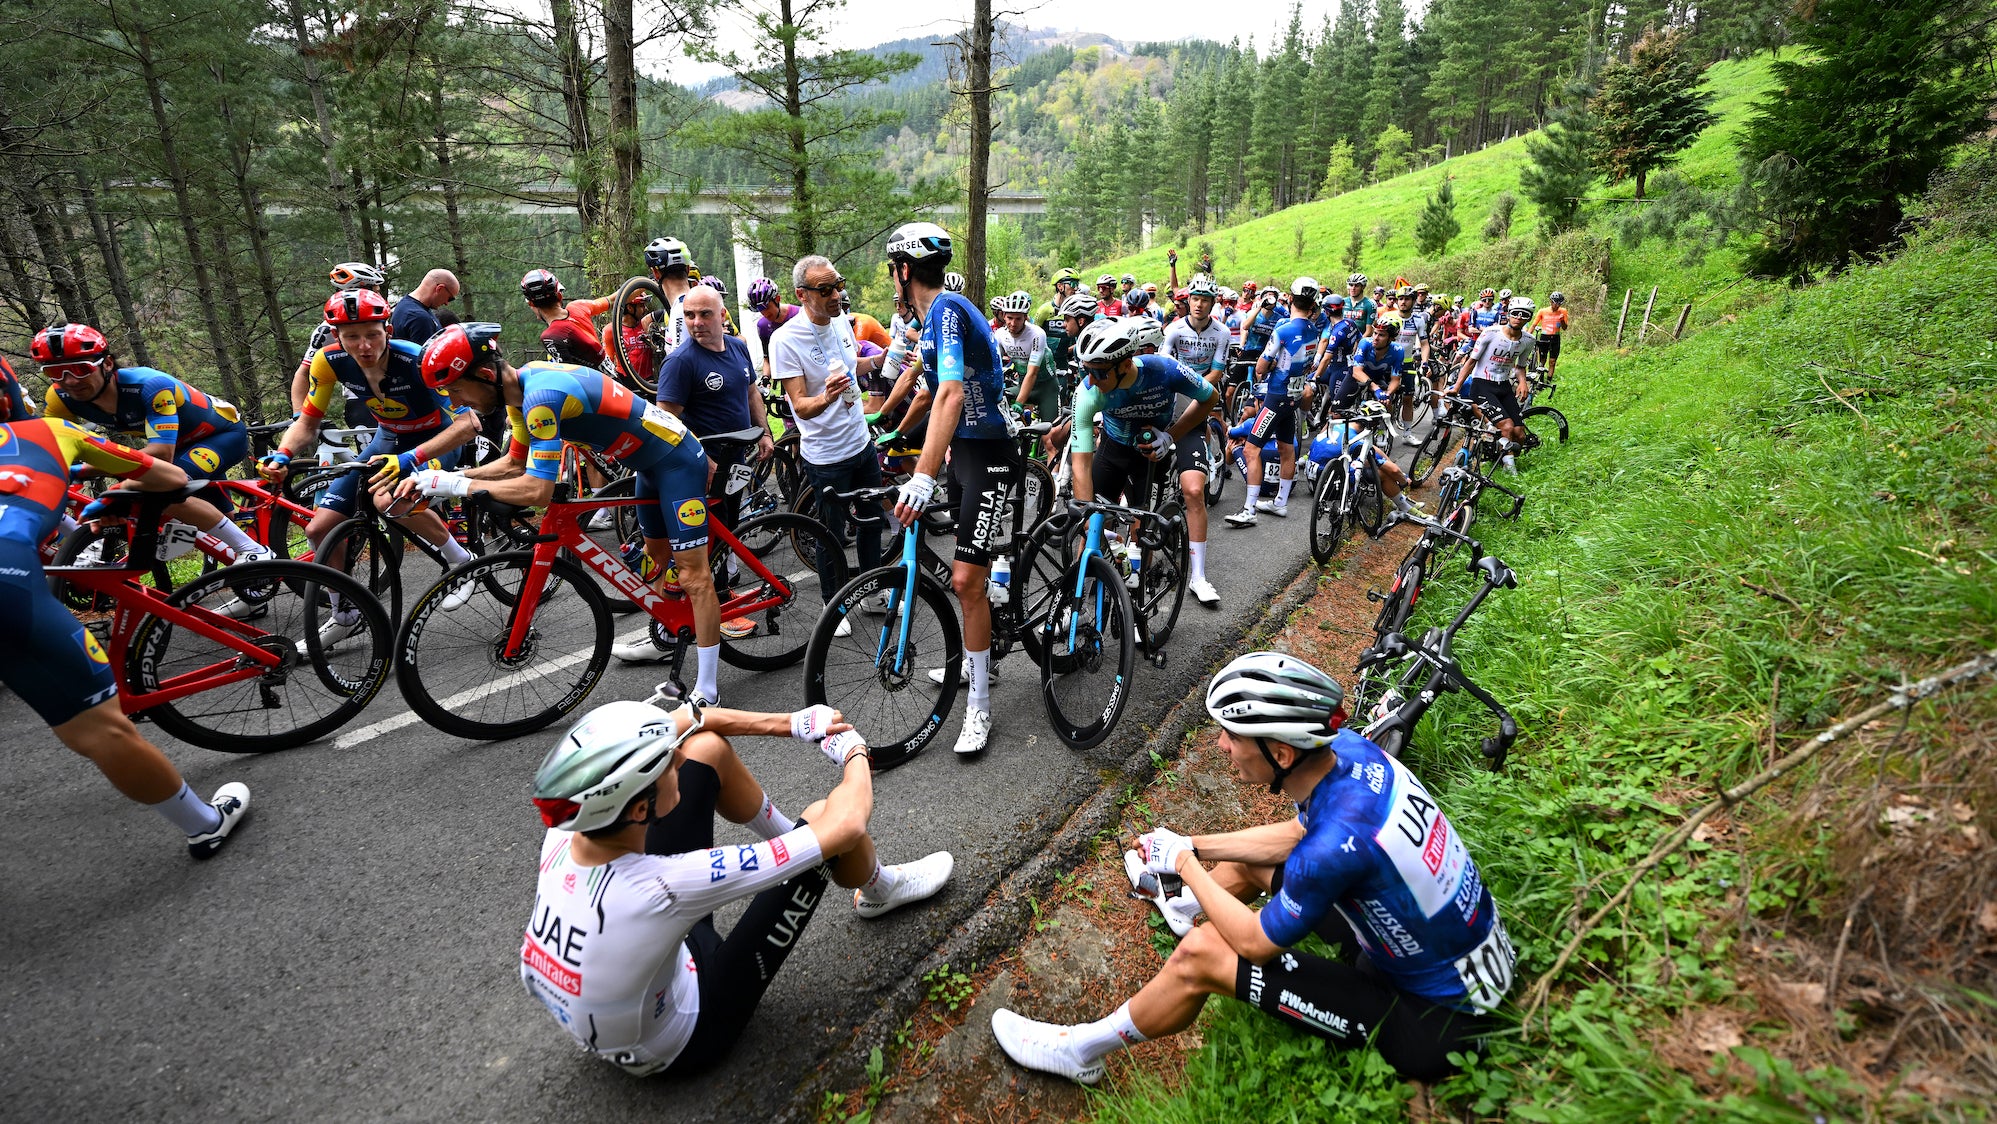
(342, 200)
(978, 84)
(253, 219)
(804, 218)
(204, 284)
(626, 158)
(575, 99)
(67, 228)
(450, 189)
(25, 295)
(114, 269)
(241, 389)
(55, 254)
(370, 247)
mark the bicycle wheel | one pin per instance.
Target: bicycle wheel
(1036, 496)
(653, 305)
(1164, 557)
(1328, 508)
(1551, 421)
(781, 632)
(1218, 468)
(875, 678)
(1433, 451)
(1399, 603)
(1369, 506)
(1091, 643)
(360, 549)
(320, 684)
(1044, 556)
(1454, 510)
(451, 663)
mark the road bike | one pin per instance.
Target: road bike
(251, 685)
(1088, 635)
(1397, 604)
(1348, 492)
(1464, 482)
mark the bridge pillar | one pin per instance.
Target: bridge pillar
(748, 267)
(1150, 223)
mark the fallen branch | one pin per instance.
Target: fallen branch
(1777, 595)
(1841, 399)
(1900, 699)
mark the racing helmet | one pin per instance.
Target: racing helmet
(605, 761)
(1521, 304)
(457, 351)
(665, 253)
(1019, 300)
(356, 306)
(953, 282)
(1201, 287)
(356, 275)
(762, 292)
(70, 343)
(1083, 305)
(1278, 697)
(1356, 279)
(1148, 333)
(919, 241)
(1109, 340)
(539, 287)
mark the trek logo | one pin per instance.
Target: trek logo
(616, 572)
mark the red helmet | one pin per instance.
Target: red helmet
(1249, 286)
(457, 351)
(68, 343)
(356, 306)
(539, 287)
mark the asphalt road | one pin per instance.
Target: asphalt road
(353, 952)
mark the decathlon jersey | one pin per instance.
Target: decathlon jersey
(35, 456)
(1289, 354)
(605, 948)
(1495, 354)
(561, 402)
(401, 404)
(957, 346)
(1145, 403)
(1378, 849)
(1202, 349)
(154, 408)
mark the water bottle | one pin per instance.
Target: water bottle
(999, 589)
(852, 391)
(1388, 704)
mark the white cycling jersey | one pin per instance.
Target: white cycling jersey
(1202, 349)
(1495, 354)
(1022, 350)
(605, 948)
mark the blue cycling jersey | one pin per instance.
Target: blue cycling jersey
(957, 346)
(1378, 849)
(1483, 316)
(1379, 363)
(152, 407)
(1256, 336)
(1289, 354)
(1146, 402)
(1340, 339)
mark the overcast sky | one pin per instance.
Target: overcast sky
(863, 23)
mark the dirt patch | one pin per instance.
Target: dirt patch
(1091, 944)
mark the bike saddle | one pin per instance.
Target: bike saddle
(733, 439)
(1037, 429)
(1496, 572)
(119, 501)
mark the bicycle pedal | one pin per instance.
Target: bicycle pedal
(1156, 659)
(1375, 595)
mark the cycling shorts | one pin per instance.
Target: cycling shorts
(1278, 420)
(211, 458)
(1121, 474)
(1348, 1002)
(1549, 347)
(1498, 397)
(679, 483)
(51, 661)
(734, 971)
(341, 495)
(987, 471)
(1190, 454)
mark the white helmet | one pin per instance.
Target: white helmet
(1504, 294)
(1019, 300)
(1202, 286)
(953, 282)
(1272, 695)
(1084, 305)
(1109, 340)
(1521, 304)
(1306, 287)
(1147, 333)
(1356, 279)
(605, 761)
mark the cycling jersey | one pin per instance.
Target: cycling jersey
(605, 949)
(1548, 322)
(1146, 403)
(1202, 349)
(1413, 328)
(13, 407)
(154, 408)
(1109, 307)
(1495, 354)
(400, 404)
(1360, 312)
(1019, 351)
(866, 329)
(573, 338)
(1256, 332)
(562, 402)
(1288, 352)
(1380, 364)
(958, 347)
(1480, 316)
(1339, 343)
(1378, 849)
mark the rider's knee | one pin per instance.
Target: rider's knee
(967, 583)
(102, 734)
(1203, 961)
(708, 748)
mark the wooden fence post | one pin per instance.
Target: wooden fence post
(1647, 306)
(1602, 299)
(1683, 315)
(1624, 318)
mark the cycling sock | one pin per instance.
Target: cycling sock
(1106, 1035)
(65, 525)
(1400, 501)
(1198, 568)
(707, 672)
(191, 814)
(1283, 491)
(885, 879)
(454, 551)
(769, 823)
(232, 536)
(981, 679)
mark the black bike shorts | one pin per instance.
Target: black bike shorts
(1549, 347)
(1278, 420)
(1498, 398)
(987, 471)
(1121, 474)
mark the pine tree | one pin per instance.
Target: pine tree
(1354, 250)
(1391, 148)
(1649, 107)
(1561, 168)
(1383, 84)
(1438, 225)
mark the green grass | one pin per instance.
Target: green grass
(1641, 670)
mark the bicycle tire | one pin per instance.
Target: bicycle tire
(1399, 603)
(1533, 437)
(1218, 468)
(647, 381)
(1429, 455)
(1328, 522)
(360, 549)
(795, 542)
(1101, 615)
(1036, 578)
(851, 674)
(1161, 584)
(479, 627)
(1369, 507)
(293, 604)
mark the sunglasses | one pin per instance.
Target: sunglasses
(71, 372)
(838, 285)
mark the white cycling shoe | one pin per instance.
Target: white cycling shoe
(1047, 1047)
(1205, 593)
(914, 881)
(976, 733)
(233, 801)
(458, 596)
(342, 624)
(1241, 519)
(1174, 899)
(641, 650)
(1279, 510)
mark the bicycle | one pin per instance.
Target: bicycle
(492, 668)
(1348, 491)
(1395, 700)
(169, 649)
(1398, 603)
(1464, 482)
(1539, 384)
(1092, 614)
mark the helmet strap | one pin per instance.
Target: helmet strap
(1282, 772)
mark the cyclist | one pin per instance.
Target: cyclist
(1199, 341)
(14, 406)
(866, 329)
(346, 275)
(1504, 303)
(415, 427)
(164, 417)
(1547, 325)
(1022, 344)
(1498, 363)
(1371, 865)
(965, 379)
(1483, 314)
(1048, 316)
(1359, 308)
(569, 334)
(1413, 339)
(551, 403)
(1336, 353)
(1138, 303)
(1280, 373)
(671, 265)
(1057, 362)
(54, 663)
(1106, 295)
(1256, 329)
(1376, 364)
(772, 312)
(621, 946)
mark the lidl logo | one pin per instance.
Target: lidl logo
(204, 458)
(388, 408)
(93, 649)
(163, 402)
(693, 513)
(541, 422)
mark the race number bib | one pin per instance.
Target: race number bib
(175, 539)
(1487, 972)
(739, 476)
